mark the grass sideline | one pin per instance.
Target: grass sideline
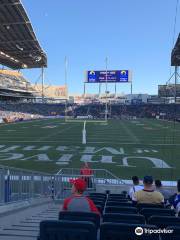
(48, 145)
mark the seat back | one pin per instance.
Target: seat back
(148, 212)
(124, 218)
(112, 209)
(164, 221)
(120, 204)
(175, 235)
(148, 205)
(80, 216)
(104, 195)
(63, 230)
(120, 231)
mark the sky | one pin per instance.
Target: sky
(133, 34)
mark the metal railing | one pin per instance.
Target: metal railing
(18, 184)
(99, 176)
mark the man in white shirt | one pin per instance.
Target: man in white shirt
(136, 187)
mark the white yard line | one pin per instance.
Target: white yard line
(54, 134)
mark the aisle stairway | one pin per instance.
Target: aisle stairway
(24, 224)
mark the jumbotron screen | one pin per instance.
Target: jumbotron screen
(168, 90)
(111, 76)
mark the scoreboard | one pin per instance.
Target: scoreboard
(110, 76)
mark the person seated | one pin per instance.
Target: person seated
(148, 194)
(159, 187)
(136, 186)
(77, 202)
(176, 201)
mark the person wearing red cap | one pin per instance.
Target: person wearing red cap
(77, 202)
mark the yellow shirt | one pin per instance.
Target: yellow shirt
(145, 196)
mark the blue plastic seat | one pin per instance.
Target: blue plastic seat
(80, 216)
(120, 204)
(122, 231)
(67, 230)
(124, 218)
(125, 210)
(164, 221)
(148, 212)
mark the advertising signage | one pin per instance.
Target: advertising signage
(113, 76)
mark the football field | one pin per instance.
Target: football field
(125, 147)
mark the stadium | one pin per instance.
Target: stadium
(69, 162)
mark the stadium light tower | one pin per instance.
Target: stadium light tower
(106, 110)
(42, 76)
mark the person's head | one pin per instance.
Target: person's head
(78, 186)
(178, 185)
(158, 183)
(135, 180)
(148, 181)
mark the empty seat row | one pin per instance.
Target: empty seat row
(160, 221)
(80, 230)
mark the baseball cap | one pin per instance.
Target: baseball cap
(148, 179)
(79, 184)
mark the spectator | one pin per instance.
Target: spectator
(78, 202)
(86, 173)
(176, 202)
(136, 186)
(166, 193)
(148, 194)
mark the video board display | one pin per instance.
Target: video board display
(111, 76)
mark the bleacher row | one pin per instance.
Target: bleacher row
(118, 221)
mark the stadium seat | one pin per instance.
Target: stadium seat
(120, 231)
(80, 216)
(124, 218)
(118, 200)
(98, 198)
(63, 230)
(130, 210)
(98, 194)
(148, 205)
(164, 221)
(120, 204)
(148, 212)
(117, 195)
(101, 203)
(172, 236)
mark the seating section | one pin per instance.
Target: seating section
(164, 221)
(120, 231)
(118, 221)
(124, 218)
(71, 230)
(148, 212)
(80, 216)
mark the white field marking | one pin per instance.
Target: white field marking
(49, 126)
(119, 143)
(131, 134)
(158, 163)
(56, 133)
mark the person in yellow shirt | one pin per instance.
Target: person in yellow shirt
(148, 194)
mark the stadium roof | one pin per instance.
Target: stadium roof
(19, 47)
(175, 54)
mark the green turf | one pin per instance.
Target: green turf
(130, 138)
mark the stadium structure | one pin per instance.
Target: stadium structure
(44, 145)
